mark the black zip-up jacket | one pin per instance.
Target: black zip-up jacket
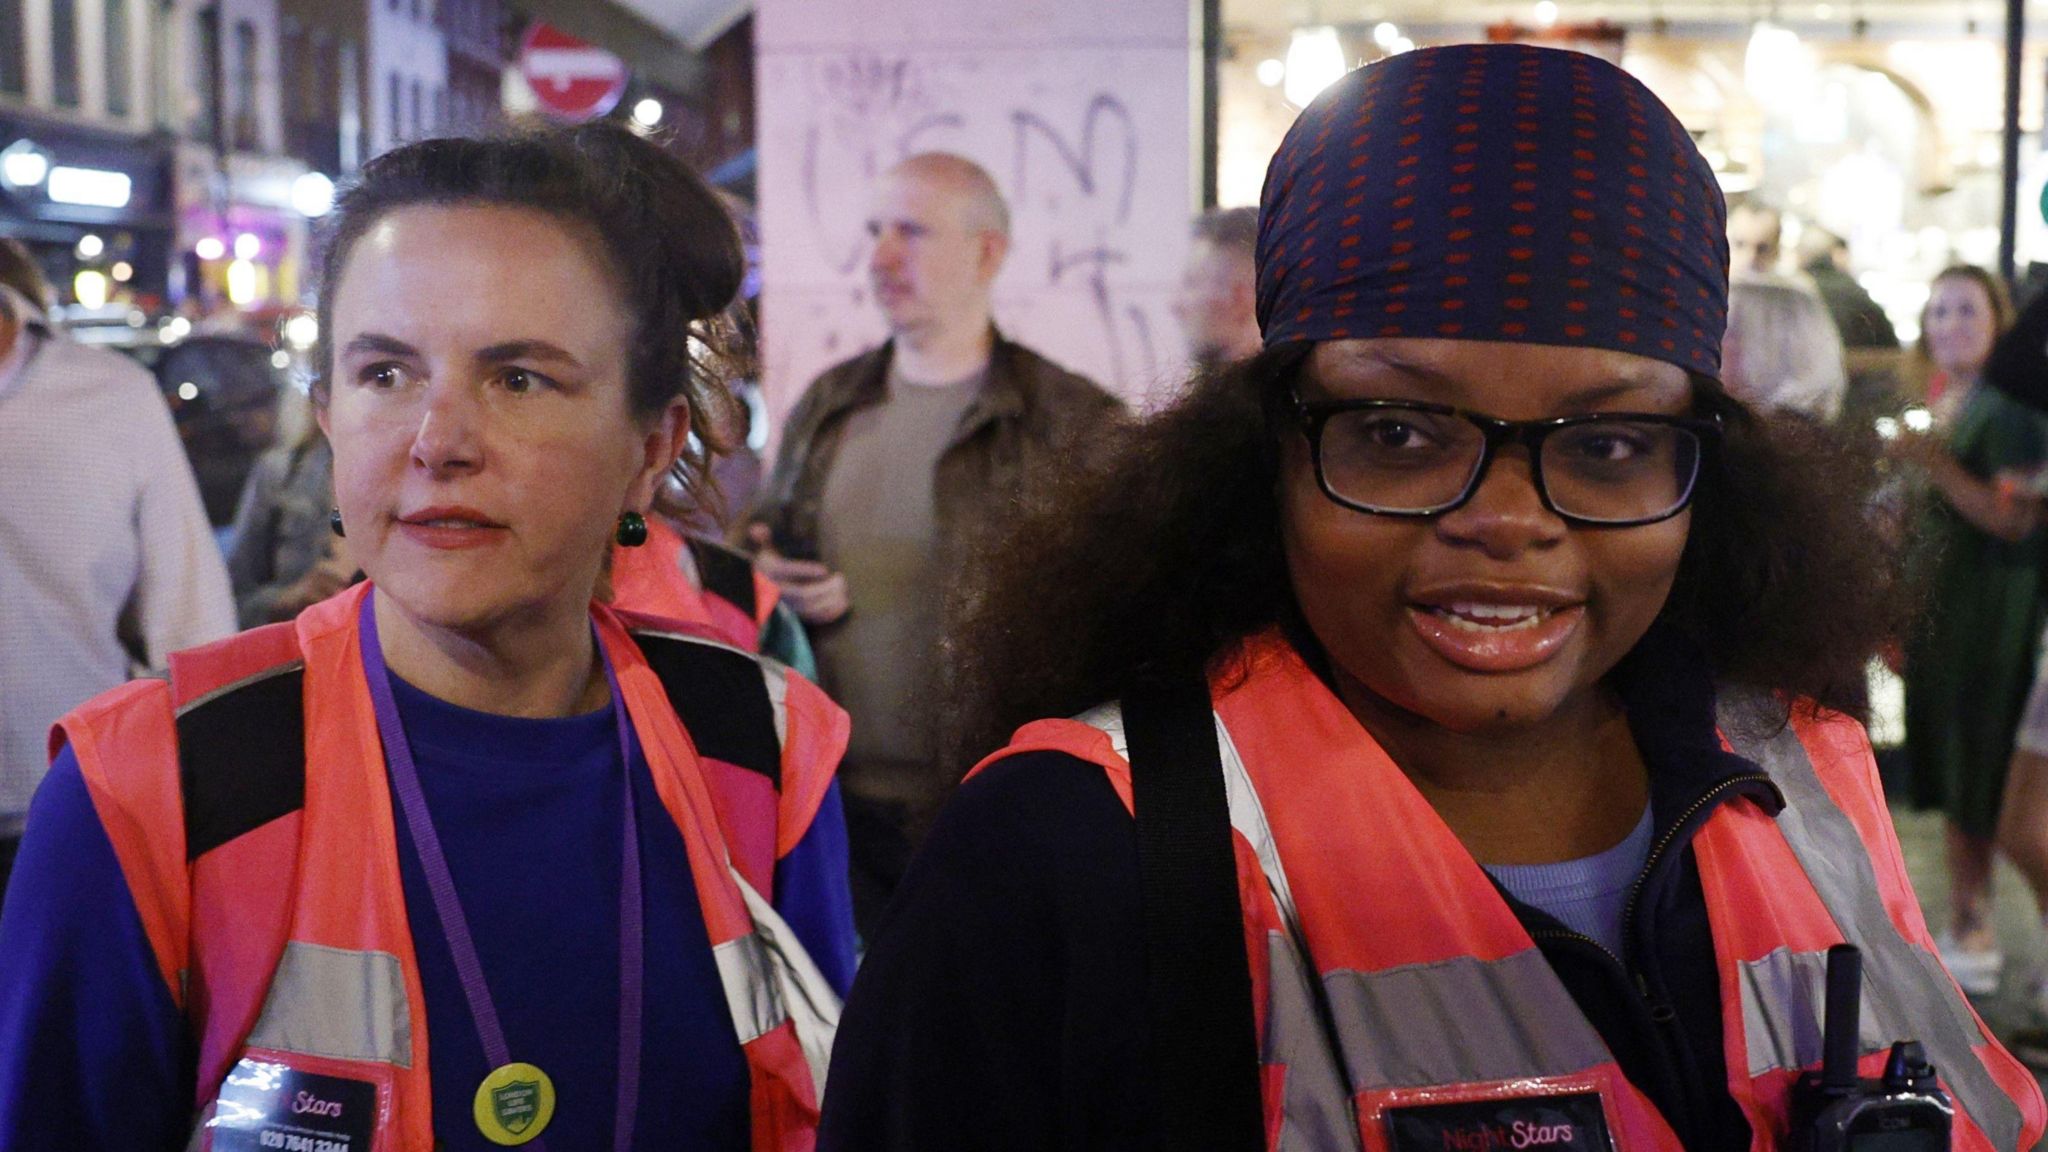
(1659, 1006)
(1002, 1003)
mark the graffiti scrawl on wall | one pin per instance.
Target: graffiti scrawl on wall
(1090, 147)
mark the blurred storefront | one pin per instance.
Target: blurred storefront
(242, 227)
(92, 203)
(1886, 133)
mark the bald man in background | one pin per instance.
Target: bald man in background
(889, 464)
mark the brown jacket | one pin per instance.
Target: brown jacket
(1031, 415)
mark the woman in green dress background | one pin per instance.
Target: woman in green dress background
(1969, 666)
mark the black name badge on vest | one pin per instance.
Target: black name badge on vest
(266, 1107)
(1569, 1123)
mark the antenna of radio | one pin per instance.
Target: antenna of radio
(1839, 1046)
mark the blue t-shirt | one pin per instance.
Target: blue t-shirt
(1588, 895)
(93, 1055)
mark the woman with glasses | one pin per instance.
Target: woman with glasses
(1453, 761)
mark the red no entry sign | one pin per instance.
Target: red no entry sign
(572, 79)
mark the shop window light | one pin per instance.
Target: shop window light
(90, 288)
(23, 165)
(1315, 60)
(89, 187)
(241, 283)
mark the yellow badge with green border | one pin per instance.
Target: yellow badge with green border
(514, 1104)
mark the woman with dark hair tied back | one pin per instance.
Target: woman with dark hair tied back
(1456, 760)
(458, 858)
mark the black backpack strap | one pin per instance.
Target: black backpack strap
(721, 696)
(726, 574)
(1205, 1054)
(242, 757)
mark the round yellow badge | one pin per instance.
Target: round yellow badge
(514, 1104)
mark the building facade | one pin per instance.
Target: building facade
(408, 67)
(474, 32)
(325, 96)
(85, 171)
(241, 238)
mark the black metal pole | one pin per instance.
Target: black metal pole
(1212, 76)
(2009, 218)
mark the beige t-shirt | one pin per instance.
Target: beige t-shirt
(878, 527)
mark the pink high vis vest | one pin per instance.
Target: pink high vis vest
(1389, 975)
(652, 580)
(287, 946)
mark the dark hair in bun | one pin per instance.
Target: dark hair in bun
(668, 239)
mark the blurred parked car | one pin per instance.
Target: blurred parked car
(223, 391)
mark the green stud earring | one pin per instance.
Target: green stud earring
(334, 522)
(632, 531)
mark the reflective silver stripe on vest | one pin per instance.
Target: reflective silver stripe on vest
(777, 678)
(1458, 1021)
(1783, 1000)
(750, 999)
(1469, 1007)
(769, 979)
(1316, 1109)
(1906, 995)
(336, 1003)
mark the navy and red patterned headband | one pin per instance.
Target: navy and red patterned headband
(1495, 192)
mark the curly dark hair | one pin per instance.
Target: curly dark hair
(1166, 560)
(663, 233)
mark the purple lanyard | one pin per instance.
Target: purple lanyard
(426, 843)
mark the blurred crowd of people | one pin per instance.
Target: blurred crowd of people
(1958, 424)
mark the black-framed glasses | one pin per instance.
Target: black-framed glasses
(1407, 458)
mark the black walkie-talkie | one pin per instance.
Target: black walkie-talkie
(1835, 1110)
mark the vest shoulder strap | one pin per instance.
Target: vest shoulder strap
(242, 758)
(242, 781)
(1198, 978)
(769, 740)
(721, 697)
(727, 574)
(241, 734)
(210, 669)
